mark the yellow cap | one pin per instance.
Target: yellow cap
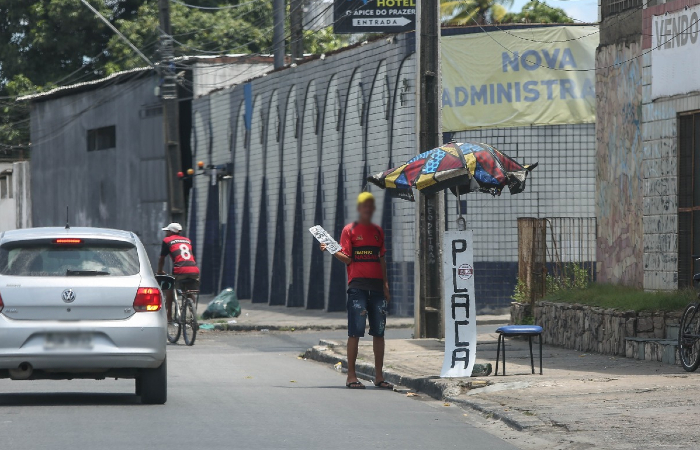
(364, 196)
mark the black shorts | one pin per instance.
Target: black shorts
(187, 281)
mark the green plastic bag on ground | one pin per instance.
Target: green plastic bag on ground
(224, 305)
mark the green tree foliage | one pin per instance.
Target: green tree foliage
(469, 12)
(47, 42)
(537, 12)
(247, 29)
(59, 42)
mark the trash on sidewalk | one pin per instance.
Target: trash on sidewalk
(224, 305)
(206, 326)
(338, 366)
(482, 370)
(232, 322)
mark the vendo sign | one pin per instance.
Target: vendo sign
(675, 48)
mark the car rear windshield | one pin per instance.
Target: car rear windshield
(86, 259)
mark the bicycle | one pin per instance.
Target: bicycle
(689, 333)
(184, 311)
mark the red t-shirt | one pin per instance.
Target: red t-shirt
(364, 244)
(180, 250)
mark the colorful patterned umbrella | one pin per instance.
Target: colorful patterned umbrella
(463, 168)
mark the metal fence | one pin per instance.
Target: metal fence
(555, 253)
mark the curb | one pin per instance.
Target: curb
(434, 386)
(498, 412)
(243, 327)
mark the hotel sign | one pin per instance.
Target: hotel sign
(374, 16)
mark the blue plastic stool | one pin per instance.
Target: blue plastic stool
(518, 330)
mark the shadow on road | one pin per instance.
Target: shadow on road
(67, 399)
(312, 387)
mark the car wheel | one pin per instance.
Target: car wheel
(154, 385)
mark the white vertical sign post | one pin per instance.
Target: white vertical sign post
(459, 309)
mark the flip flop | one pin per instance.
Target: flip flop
(355, 385)
(384, 385)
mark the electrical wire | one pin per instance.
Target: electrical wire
(62, 127)
(614, 20)
(617, 64)
(214, 8)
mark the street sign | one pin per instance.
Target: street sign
(459, 308)
(374, 16)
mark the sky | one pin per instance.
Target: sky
(579, 10)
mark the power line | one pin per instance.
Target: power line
(490, 35)
(214, 8)
(113, 28)
(614, 20)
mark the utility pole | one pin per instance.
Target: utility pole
(171, 116)
(428, 303)
(296, 26)
(278, 32)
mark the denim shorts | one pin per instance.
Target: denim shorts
(363, 304)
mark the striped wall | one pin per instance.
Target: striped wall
(315, 132)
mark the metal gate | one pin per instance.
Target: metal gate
(555, 253)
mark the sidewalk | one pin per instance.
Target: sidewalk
(258, 316)
(581, 401)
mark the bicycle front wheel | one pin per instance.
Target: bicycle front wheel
(174, 326)
(689, 338)
(189, 329)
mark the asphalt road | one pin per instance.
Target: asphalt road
(239, 391)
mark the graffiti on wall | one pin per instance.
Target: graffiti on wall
(618, 161)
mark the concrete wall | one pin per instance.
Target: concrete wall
(619, 157)
(660, 168)
(121, 187)
(7, 202)
(208, 76)
(344, 117)
(341, 118)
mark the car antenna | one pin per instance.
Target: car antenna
(67, 223)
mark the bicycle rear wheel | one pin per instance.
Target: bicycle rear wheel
(174, 327)
(689, 338)
(189, 329)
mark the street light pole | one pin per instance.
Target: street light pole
(428, 302)
(278, 14)
(171, 116)
(296, 30)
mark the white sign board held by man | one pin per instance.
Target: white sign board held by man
(323, 237)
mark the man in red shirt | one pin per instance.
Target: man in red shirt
(185, 268)
(363, 252)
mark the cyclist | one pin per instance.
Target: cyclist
(185, 268)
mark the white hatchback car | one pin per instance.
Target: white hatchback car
(81, 303)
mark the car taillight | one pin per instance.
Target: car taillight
(147, 299)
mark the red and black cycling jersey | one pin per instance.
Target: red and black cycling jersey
(180, 250)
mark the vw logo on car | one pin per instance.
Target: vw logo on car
(68, 296)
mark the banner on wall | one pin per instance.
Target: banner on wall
(675, 46)
(519, 77)
(459, 308)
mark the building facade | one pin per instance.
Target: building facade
(299, 144)
(648, 106)
(98, 156)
